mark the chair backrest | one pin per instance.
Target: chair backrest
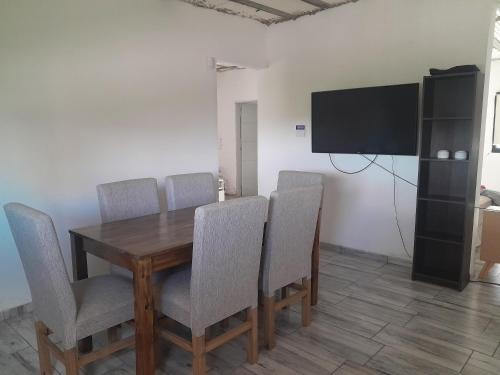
(48, 280)
(227, 246)
(289, 237)
(190, 190)
(297, 179)
(128, 199)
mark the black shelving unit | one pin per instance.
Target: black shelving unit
(451, 120)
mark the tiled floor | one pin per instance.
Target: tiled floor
(371, 319)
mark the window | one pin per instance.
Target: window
(496, 125)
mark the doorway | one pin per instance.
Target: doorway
(246, 130)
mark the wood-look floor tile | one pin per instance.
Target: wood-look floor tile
(288, 320)
(378, 295)
(231, 355)
(386, 313)
(28, 357)
(347, 319)
(229, 371)
(408, 287)
(10, 365)
(333, 284)
(451, 316)
(267, 366)
(25, 327)
(425, 347)
(476, 303)
(357, 263)
(108, 365)
(325, 256)
(497, 352)
(492, 330)
(312, 350)
(480, 364)
(343, 344)
(354, 369)
(290, 359)
(346, 273)
(10, 340)
(434, 329)
(396, 362)
(395, 270)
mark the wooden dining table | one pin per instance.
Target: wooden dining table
(145, 245)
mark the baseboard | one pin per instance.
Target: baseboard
(15, 312)
(365, 254)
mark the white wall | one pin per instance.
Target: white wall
(234, 86)
(96, 91)
(367, 43)
(491, 161)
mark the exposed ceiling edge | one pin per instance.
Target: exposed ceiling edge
(289, 17)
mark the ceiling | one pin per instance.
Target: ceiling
(269, 11)
(496, 38)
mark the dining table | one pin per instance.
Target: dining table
(145, 245)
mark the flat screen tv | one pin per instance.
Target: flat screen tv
(373, 120)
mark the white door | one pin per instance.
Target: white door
(248, 142)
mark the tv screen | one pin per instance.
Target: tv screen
(374, 120)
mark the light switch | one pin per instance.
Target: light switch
(300, 130)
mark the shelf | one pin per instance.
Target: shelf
(452, 75)
(443, 228)
(444, 160)
(436, 280)
(443, 198)
(447, 118)
(441, 237)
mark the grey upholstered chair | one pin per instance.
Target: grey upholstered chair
(287, 251)
(223, 278)
(190, 190)
(298, 179)
(127, 199)
(71, 311)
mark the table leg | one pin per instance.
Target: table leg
(80, 271)
(144, 318)
(486, 268)
(315, 264)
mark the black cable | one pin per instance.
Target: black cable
(353, 172)
(385, 169)
(484, 282)
(396, 208)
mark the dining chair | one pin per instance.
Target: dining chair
(190, 190)
(222, 280)
(127, 199)
(71, 311)
(298, 179)
(286, 254)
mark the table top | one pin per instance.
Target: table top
(146, 235)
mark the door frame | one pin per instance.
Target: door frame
(238, 106)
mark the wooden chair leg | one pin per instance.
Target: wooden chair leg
(306, 303)
(253, 341)
(113, 334)
(486, 268)
(269, 322)
(43, 350)
(71, 361)
(199, 355)
(284, 294)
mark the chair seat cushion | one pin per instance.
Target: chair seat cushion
(174, 296)
(102, 302)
